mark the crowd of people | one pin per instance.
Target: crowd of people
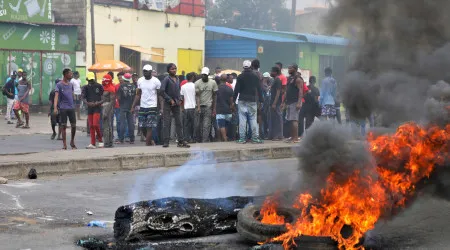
(187, 109)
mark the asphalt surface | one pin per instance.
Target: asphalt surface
(50, 213)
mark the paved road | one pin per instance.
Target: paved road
(50, 213)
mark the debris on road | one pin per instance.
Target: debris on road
(96, 223)
(32, 174)
(91, 243)
(179, 217)
(89, 213)
(3, 180)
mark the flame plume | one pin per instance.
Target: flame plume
(403, 160)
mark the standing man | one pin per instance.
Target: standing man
(8, 91)
(126, 95)
(64, 101)
(206, 92)
(225, 105)
(22, 103)
(76, 82)
(188, 96)
(311, 106)
(248, 88)
(108, 103)
(135, 78)
(117, 107)
(327, 98)
(282, 77)
(293, 101)
(54, 119)
(91, 95)
(170, 92)
(276, 116)
(147, 98)
(217, 72)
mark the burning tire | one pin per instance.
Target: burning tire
(250, 227)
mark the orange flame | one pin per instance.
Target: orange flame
(403, 160)
(269, 213)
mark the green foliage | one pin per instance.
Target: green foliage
(258, 14)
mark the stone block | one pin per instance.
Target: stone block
(12, 170)
(92, 165)
(220, 156)
(256, 154)
(49, 168)
(181, 158)
(134, 162)
(282, 152)
(3, 180)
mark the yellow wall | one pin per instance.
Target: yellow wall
(104, 52)
(146, 29)
(189, 61)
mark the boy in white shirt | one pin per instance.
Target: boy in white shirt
(187, 93)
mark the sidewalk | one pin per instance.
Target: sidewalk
(50, 161)
(133, 158)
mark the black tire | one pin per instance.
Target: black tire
(247, 219)
(252, 230)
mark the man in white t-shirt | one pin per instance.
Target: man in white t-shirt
(147, 96)
(188, 96)
(76, 82)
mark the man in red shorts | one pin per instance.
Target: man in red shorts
(91, 95)
(22, 104)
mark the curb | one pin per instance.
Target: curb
(19, 170)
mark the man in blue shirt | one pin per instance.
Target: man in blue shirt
(327, 99)
(9, 92)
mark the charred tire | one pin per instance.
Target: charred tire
(249, 224)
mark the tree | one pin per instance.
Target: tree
(257, 14)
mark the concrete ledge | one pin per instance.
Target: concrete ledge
(256, 154)
(83, 161)
(280, 153)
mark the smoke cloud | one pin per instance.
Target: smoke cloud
(203, 180)
(403, 51)
(329, 148)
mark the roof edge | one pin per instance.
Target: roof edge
(39, 24)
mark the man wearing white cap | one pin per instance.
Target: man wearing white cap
(247, 87)
(206, 90)
(147, 98)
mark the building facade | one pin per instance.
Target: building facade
(227, 48)
(31, 40)
(140, 32)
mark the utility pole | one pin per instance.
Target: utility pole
(293, 14)
(92, 32)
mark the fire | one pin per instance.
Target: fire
(402, 161)
(269, 213)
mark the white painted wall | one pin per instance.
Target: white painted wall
(146, 29)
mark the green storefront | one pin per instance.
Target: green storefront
(29, 40)
(312, 53)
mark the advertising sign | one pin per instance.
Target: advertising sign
(42, 68)
(37, 11)
(42, 37)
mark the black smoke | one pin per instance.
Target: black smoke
(329, 148)
(403, 51)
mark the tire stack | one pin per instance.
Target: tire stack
(252, 230)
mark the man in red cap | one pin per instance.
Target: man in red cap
(125, 95)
